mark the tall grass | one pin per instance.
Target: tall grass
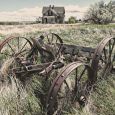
(19, 99)
(15, 98)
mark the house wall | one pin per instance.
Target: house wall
(51, 18)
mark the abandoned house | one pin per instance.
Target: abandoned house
(52, 15)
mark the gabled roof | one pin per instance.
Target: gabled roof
(56, 13)
(59, 10)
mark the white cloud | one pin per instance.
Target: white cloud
(75, 10)
(30, 14)
(26, 14)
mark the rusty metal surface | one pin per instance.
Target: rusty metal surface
(97, 55)
(59, 80)
(10, 38)
(15, 51)
(31, 68)
(47, 46)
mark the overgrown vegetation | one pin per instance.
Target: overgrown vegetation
(72, 20)
(25, 100)
(101, 13)
(104, 96)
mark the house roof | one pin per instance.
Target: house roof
(59, 10)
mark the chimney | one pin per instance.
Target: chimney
(53, 7)
(49, 6)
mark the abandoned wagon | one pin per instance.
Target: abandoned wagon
(52, 15)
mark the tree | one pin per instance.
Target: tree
(38, 20)
(72, 20)
(111, 8)
(100, 13)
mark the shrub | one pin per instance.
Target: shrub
(72, 20)
(100, 13)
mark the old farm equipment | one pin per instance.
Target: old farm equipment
(75, 68)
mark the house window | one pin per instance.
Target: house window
(50, 13)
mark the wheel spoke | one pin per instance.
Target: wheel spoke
(112, 47)
(22, 53)
(66, 84)
(48, 40)
(23, 46)
(26, 52)
(11, 47)
(109, 47)
(56, 40)
(105, 55)
(76, 79)
(113, 58)
(82, 74)
(52, 39)
(109, 52)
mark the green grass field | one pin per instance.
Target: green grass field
(102, 99)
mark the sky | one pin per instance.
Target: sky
(29, 10)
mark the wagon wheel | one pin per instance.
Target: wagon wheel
(53, 40)
(70, 87)
(104, 58)
(11, 49)
(14, 47)
(49, 46)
